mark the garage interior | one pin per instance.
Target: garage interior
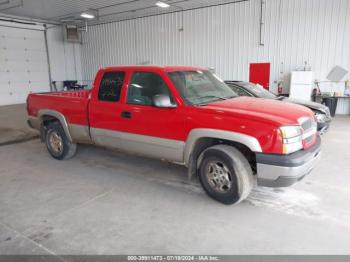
(105, 202)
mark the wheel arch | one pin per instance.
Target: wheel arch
(46, 116)
(201, 139)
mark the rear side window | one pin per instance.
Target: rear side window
(111, 86)
(144, 86)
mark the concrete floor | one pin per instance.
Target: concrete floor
(104, 202)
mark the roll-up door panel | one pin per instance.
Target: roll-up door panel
(23, 64)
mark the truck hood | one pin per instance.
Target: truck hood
(280, 113)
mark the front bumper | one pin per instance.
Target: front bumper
(285, 170)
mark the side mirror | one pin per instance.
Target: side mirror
(163, 101)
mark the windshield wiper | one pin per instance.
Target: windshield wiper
(218, 97)
(230, 97)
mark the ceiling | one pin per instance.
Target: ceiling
(108, 10)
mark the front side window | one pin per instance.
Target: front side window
(239, 91)
(200, 87)
(111, 86)
(144, 86)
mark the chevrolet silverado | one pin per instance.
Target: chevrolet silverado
(186, 115)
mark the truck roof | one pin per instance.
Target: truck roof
(157, 67)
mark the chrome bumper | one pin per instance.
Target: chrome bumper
(283, 171)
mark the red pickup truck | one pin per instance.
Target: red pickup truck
(185, 115)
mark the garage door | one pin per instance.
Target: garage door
(23, 64)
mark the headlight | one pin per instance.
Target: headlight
(320, 117)
(292, 139)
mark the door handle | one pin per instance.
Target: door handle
(126, 114)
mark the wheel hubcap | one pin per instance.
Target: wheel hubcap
(56, 142)
(219, 177)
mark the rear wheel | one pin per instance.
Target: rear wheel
(57, 142)
(225, 174)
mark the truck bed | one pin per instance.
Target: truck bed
(72, 104)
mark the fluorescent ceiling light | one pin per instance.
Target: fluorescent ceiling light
(162, 4)
(87, 15)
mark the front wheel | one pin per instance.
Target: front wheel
(225, 174)
(57, 142)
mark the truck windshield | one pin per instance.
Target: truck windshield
(200, 87)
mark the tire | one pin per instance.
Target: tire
(57, 142)
(225, 174)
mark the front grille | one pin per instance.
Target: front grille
(309, 126)
(309, 139)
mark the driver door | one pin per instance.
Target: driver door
(150, 130)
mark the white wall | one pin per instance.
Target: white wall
(65, 58)
(227, 38)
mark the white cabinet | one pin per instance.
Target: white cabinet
(301, 85)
